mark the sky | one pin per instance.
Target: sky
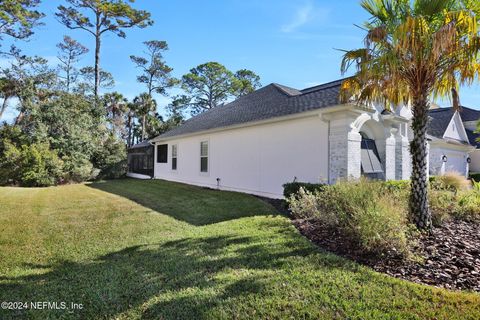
(292, 42)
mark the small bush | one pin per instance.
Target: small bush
(451, 181)
(39, 166)
(397, 185)
(443, 205)
(475, 177)
(292, 188)
(365, 216)
(469, 203)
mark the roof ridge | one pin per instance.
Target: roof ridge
(285, 89)
(323, 86)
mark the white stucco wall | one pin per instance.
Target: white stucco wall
(257, 159)
(475, 164)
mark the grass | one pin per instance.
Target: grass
(132, 249)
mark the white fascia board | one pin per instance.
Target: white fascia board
(451, 144)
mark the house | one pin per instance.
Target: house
(452, 141)
(278, 134)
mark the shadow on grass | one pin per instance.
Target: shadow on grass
(194, 205)
(181, 279)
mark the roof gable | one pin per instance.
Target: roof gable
(455, 129)
(439, 119)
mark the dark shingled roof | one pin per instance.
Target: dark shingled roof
(440, 119)
(268, 102)
(469, 114)
(276, 100)
(142, 144)
(473, 138)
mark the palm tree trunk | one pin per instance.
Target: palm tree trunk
(419, 208)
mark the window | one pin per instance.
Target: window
(162, 153)
(204, 156)
(174, 157)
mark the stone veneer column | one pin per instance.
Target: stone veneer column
(344, 152)
(403, 161)
(390, 157)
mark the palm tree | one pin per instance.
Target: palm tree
(144, 105)
(415, 51)
(115, 106)
(130, 123)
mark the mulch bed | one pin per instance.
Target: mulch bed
(449, 256)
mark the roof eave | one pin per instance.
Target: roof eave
(299, 115)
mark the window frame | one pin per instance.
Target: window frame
(207, 157)
(174, 165)
(165, 158)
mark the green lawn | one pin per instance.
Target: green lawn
(133, 249)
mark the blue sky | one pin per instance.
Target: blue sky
(291, 42)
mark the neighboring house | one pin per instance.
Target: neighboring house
(452, 141)
(278, 134)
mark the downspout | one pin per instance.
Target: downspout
(154, 153)
(328, 154)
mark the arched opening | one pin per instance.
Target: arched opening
(371, 165)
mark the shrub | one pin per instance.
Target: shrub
(292, 188)
(361, 212)
(397, 185)
(443, 205)
(77, 168)
(469, 203)
(475, 177)
(111, 159)
(451, 181)
(40, 166)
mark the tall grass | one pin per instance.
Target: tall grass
(365, 213)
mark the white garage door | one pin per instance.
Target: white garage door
(455, 162)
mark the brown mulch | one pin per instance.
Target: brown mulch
(449, 257)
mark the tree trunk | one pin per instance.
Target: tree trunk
(419, 208)
(68, 77)
(97, 65)
(4, 106)
(98, 35)
(129, 138)
(144, 120)
(19, 119)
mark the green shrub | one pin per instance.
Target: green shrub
(443, 205)
(39, 166)
(469, 203)
(397, 185)
(361, 212)
(464, 205)
(475, 177)
(292, 188)
(77, 168)
(111, 159)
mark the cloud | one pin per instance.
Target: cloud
(304, 15)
